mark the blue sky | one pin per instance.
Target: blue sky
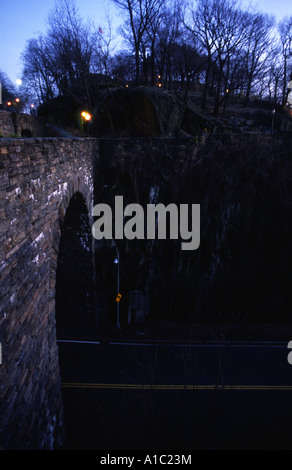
(23, 19)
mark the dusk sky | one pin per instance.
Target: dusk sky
(22, 20)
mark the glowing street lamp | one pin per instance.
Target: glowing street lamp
(33, 109)
(86, 116)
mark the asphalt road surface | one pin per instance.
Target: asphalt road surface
(164, 396)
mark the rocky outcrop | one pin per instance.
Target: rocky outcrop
(152, 112)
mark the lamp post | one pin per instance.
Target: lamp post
(85, 117)
(117, 261)
(33, 110)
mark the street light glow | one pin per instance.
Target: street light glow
(86, 115)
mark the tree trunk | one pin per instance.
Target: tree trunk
(207, 77)
(137, 72)
(217, 98)
(247, 95)
(153, 64)
(285, 83)
(204, 99)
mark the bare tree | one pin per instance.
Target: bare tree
(168, 36)
(60, 61)
(232, 39)
(38, 72)
(285, 33)
(199, 24)
(187, 64)
(219, 27)
(71, 43)
(8, 90)
(139, 15)
(123, 67)
(229, 34)
(258, 43)
(152, 37)
(103, 50)
(274, 76)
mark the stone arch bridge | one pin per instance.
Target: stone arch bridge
(39, 178)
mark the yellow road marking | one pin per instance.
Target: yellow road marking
(174, 387)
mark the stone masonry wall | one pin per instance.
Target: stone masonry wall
(38, 177)
(21, 125)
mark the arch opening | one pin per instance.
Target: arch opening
(26, 133)
(75, 306)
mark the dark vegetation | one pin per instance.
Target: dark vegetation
(235, 286)
(241, 272)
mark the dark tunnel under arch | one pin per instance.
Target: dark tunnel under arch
(74, 296)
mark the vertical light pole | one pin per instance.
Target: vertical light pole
(33, 110)
(85, 118)
(117, 261)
